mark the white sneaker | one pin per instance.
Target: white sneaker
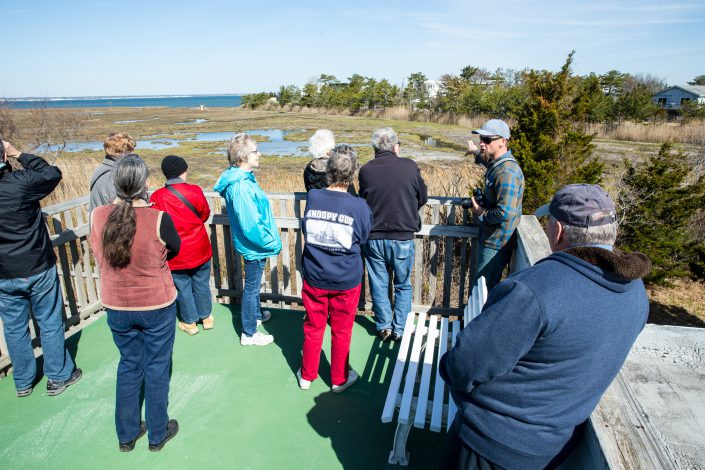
(257, 339)
(303, 384)
(266, 315)
(352, 378)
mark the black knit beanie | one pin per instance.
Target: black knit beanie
(173, 166)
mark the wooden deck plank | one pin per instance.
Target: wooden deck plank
(398, 373)
(452, 408)
(425, 384)
(439, 385)
(412, 369)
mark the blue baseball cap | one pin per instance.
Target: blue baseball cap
(581, 205)
(494, 127)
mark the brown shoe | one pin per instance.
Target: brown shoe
(189, 328)
(208, 322)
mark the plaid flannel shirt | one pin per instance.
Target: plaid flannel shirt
(504, 190)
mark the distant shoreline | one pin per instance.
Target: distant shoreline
(168, 101)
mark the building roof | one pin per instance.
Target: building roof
(698, 90)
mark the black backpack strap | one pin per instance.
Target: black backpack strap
(183, 199)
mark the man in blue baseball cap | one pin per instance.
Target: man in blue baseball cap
(499, 207)
(533, 366)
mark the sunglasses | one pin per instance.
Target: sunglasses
(488, 139)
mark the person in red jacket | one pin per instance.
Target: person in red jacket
(188, 207)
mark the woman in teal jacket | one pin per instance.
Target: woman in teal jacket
(254, 232)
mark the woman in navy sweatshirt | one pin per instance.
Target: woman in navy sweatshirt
(335, 225)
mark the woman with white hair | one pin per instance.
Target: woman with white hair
(254, 232)
(320, 144)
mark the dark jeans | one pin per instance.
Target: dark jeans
(457, 456)
(398, 255)
(490, 262)
(194, 300)
(41, 293)
(145, 340)
(250, 305)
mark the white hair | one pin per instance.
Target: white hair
(321, 142)
(581, 236)
(384, 138)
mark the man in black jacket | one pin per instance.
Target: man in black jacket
(28, 277)
(395, 191)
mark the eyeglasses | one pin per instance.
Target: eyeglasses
(488, 139)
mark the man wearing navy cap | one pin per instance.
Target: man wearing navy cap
(499, 211)
(533, 366)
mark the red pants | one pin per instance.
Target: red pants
(338, 308)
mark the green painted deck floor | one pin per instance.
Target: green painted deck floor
(238, 407)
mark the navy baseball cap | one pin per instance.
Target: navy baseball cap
(494, 127)
(581, 205)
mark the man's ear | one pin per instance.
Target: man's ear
(560, 234)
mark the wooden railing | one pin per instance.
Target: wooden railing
(440, 277)
(442, 252)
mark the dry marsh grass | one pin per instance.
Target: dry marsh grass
(692, 132)
(680, 304)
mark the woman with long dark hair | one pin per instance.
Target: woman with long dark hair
(132, 243)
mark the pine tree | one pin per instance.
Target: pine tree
(656, 208)
(549, 145)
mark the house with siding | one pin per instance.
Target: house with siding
(673, 98)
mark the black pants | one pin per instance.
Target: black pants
(457, 456)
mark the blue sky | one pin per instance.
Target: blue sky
(80, 48)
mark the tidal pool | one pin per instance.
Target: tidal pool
(276, 145)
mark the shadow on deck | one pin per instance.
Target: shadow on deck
(238, 407)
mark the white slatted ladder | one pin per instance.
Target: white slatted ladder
(432, 335)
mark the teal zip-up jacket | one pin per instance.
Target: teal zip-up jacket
(254, 232)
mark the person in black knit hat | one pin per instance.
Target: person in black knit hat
(191, 268)
(173, 166)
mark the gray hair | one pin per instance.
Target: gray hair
(342, 165)
(384, 138)
(130, 178)
(321, 142)
(581, 236)
(239, 147)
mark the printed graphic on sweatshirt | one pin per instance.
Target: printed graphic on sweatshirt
(329, 230)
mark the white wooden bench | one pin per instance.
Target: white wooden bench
(433, 335)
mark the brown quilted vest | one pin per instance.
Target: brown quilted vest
(146, 283)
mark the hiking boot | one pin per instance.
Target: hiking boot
(24, 393)
(384, 334)
(172, 427)
(190, 328)
(130, 445)
(303, 383)
(257, 339)
(208, 322)
(352, 378)
(266, 315)
(56, 388)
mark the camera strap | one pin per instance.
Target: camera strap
(183, 199)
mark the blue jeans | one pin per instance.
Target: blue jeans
(250, 305)
(194, 300)
(41, 293)
(145, 340)
(490, 262)
(399, 256)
